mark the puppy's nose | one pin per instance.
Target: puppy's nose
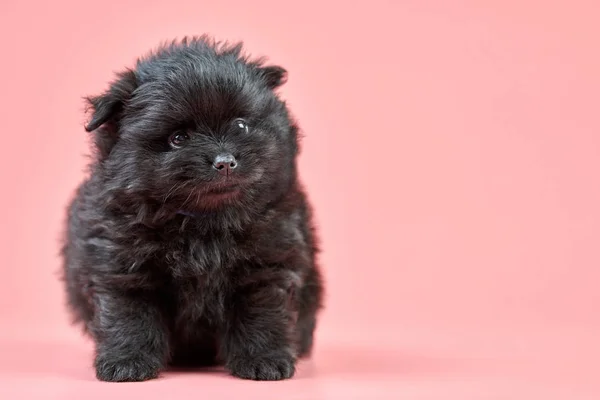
(225, 163)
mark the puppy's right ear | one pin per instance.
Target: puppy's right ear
(107, 107)
(274, 76)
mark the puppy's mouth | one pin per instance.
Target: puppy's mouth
(228, 189)
(213, 195)
(223, 189)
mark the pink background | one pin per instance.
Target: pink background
(452, 153)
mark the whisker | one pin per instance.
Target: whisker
(173, 189)
(188, 198)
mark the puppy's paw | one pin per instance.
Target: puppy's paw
(272, 367)
(134, 369)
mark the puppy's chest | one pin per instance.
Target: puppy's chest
(191, 257)
(202, 298)
(202, 275)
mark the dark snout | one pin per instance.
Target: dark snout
(225, 163)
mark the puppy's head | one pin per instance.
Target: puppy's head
(196, 125)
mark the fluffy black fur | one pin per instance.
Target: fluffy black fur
(169, 261)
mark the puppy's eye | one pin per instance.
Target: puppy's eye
(178, 139)
(241, 125)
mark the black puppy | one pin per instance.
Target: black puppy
(191, 242)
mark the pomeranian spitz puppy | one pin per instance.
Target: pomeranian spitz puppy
(191, 241)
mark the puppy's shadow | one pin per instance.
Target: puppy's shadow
(74, 361)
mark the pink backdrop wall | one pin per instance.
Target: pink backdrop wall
(452, 151)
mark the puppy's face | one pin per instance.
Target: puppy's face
(196, 127)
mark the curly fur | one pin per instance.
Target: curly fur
(163, 264)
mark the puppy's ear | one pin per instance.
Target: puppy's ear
(274, 76)
(107, 107)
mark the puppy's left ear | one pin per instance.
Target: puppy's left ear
(108, 106)
(274, 76)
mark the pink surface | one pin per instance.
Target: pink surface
(452, 152)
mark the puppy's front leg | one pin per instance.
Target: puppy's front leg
(131, 339)
(258, 343)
